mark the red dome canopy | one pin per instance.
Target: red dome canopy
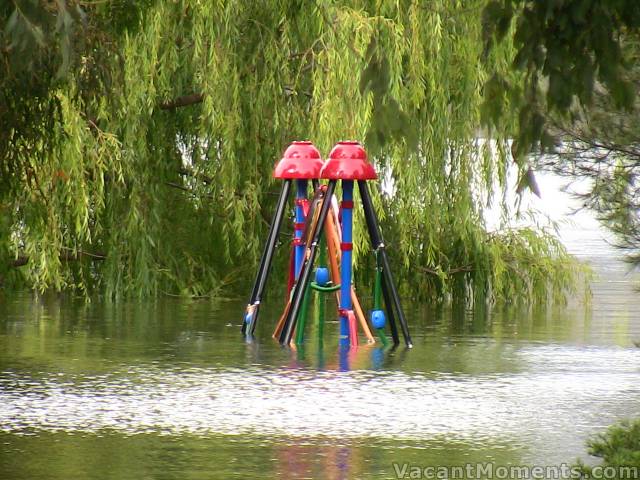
(348, 161)
(300, 160)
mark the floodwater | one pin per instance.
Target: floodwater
(169, 390)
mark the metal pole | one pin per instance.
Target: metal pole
(345, 263)
(390, 314)
(303, 279)
(303, 316)
(251, 314)
(378, 245)
(388, 279)
(301, 196)
(377, 302)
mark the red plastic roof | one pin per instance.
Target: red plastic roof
(301, 160)
(348, 161)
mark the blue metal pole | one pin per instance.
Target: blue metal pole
(345, 264)
(301, 195)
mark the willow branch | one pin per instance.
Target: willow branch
(431, 271)
(66, 255)
(19, 262)
(183, 101)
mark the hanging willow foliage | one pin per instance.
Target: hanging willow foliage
(146, 167)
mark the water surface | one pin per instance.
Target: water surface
(169, 390)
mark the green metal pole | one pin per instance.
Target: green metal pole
(319, 294)
(377, 287)
(302, 316)
(320, 298)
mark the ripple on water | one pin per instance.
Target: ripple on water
(564, 389)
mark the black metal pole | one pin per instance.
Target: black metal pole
(374, 233)
(387, 282)
(305, 271)
(392, 318)
(378, 245)
(265, 262)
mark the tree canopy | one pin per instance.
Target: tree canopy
(139, 138)
(573, 91)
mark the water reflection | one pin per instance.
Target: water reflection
(300, 461)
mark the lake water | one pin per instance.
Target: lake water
(169, 390)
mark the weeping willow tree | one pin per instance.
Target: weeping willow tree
(576, 98)
(138, 142)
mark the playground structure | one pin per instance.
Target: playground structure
(348, 164)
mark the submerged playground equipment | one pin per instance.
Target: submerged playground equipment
(347, 163)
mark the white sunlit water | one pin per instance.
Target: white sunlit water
(615, 301)
(562, 393)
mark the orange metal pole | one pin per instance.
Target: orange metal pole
(330, 235)
(280, 324)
